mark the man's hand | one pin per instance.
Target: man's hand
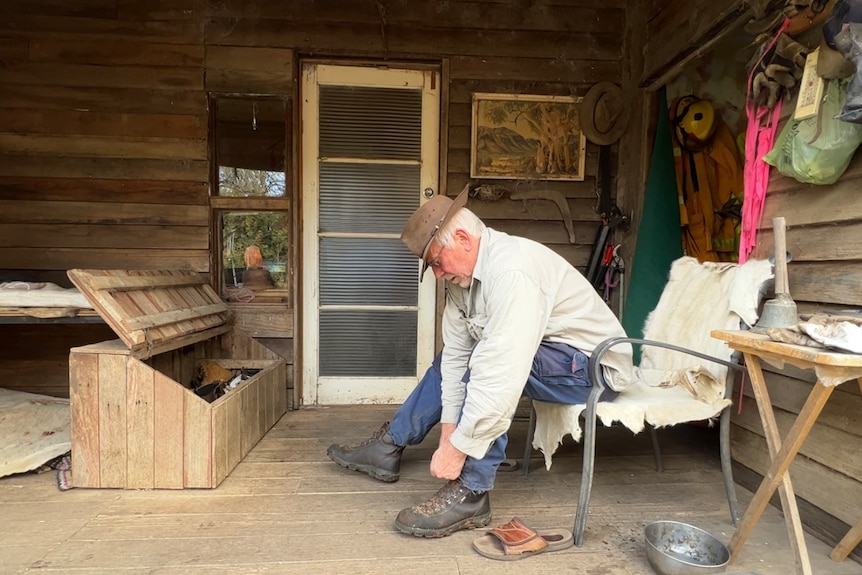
(447, 461)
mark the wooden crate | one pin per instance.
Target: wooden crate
(136, 423)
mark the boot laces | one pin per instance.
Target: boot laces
(375, 437)
(450, 493)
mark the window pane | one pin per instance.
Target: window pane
(250, 137)
(367, 198)
(382, 123)
(254, 253)
(350, 272)
(367, 343)
(239, 182)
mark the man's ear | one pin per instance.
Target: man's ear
(466, 240)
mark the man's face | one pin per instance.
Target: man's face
(456, 262)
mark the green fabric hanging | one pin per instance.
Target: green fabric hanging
(659, 240)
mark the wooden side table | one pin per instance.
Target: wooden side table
(831, 369)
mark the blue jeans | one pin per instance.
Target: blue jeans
(559, 374)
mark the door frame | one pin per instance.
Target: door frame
(371, 74)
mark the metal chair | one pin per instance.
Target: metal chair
(590, 427)
(592, 407)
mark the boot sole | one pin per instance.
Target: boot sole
(469, 523)
(374, 472)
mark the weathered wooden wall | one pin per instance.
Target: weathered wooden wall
(103, 149)
(824, 236)
(104, 156)
(679, 30)
(558, 48)
(35, 357)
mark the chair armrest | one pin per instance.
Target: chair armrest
(597, 375)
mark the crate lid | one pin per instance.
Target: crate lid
(154, 310)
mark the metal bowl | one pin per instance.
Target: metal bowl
(675, 548)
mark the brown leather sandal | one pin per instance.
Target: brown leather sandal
(516, 540)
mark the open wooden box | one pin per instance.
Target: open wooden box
(136, 422)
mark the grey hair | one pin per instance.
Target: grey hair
(463, 219)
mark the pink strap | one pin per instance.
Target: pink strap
(759, 140)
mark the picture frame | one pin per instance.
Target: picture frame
(520, 136)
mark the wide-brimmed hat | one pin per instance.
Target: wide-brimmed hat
(831, 64)
(603, 114)
(423, 225)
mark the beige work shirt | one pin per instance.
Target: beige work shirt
(522, 293)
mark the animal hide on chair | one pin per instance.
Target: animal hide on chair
(670, 387)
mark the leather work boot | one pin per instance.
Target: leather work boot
(452, 508)
(378, 456)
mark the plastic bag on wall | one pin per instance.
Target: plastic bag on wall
(842, 32)
(819, 149)
(852, 111)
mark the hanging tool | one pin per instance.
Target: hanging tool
(557, 198)
(611, 215)
(613, 267)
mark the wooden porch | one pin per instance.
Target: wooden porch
(287, 509)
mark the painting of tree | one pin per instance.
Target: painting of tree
(516, 136)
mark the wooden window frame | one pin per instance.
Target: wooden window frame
(220, 204)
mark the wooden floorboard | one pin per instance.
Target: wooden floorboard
(286, 509)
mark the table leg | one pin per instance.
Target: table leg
(782, 454)
(854, 536)
(848, 543)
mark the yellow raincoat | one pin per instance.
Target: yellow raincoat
(710, 190)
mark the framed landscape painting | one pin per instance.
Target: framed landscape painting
(517, 136)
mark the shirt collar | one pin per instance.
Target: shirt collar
(482, 258)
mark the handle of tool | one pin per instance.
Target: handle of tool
(779, 227)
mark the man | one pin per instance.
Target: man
(518, 319)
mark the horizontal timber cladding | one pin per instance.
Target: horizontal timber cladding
(348, 39)
(57, 258)
(548, 15)
(836, 493)
(533, 70)
(41, 22)
(137, 191)
(104, 104)
(24, 211)
(96, 76)
(89, 123)
(249, 70)
(109, 53)
(129, 236)
(824, 237)
(35, 357)
(103, 99)
(103, 136)
(105, 147)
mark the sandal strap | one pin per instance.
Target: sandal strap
(517, 538)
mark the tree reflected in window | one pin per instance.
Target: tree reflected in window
(250, 151)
